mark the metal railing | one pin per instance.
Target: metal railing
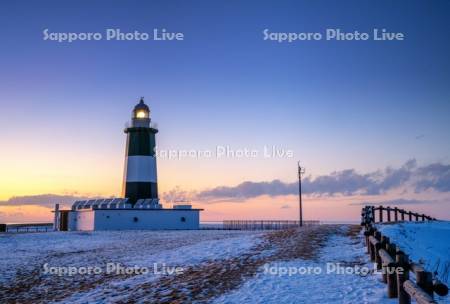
(29, 227)
(264, 224)
(152, 124)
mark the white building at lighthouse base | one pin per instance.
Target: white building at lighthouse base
(117, 214)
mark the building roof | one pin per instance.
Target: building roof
(141, 106)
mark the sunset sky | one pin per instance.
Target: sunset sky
(368, 119)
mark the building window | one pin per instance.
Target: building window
(183, 219)
(135, 219)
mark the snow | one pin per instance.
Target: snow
(426, 242)
(29, 252)
(311, 279)
(326, 287)
(134, 246)
(208, 248)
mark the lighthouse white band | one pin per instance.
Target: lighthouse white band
(140, 168)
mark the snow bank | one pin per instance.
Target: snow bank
(425, 242)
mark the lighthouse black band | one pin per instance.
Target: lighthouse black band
(141, 141)
(139, 190)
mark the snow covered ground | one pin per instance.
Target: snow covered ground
(325, 264)
(137, 247)
(24, 257)
(318, 281)
(426, 242)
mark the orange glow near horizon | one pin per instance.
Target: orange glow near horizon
(339, 208)
(81, 172)
(25, 214)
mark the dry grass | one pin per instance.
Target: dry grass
(211, 279)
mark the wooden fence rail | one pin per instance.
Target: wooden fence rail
(372, 214)
(395, 264)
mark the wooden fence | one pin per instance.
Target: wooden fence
(380, 214)
(263, 225)
(395, 265)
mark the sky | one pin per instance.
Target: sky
(359, 115)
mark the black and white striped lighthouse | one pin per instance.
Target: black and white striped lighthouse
(140, 180)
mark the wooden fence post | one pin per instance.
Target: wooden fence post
(392, 281)
(372, 252)
(373, 213)
(396, 214)
(373, 246)
(402, 213)
(391, 248)
(388, 209)
(439, 287)
(377, 255)
(424, 280)
(410, 216)
(389, 266)
(417, 293)
(377, 235)
(402, 261)
(381, 213)
(366, 235)
(384, 244)
(388, 247)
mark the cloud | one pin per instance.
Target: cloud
(395, 202)
(47, 200)
(350, 182)
(435, 177)
(15, 214)
(177, 195)
(249, 189)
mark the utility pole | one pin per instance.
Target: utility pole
(301, 171)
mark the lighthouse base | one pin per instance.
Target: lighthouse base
(133, 219)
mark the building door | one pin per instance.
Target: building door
(64, 220)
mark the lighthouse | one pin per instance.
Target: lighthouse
(140, 178)
(139, 207)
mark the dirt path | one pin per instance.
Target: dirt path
(206, 281)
